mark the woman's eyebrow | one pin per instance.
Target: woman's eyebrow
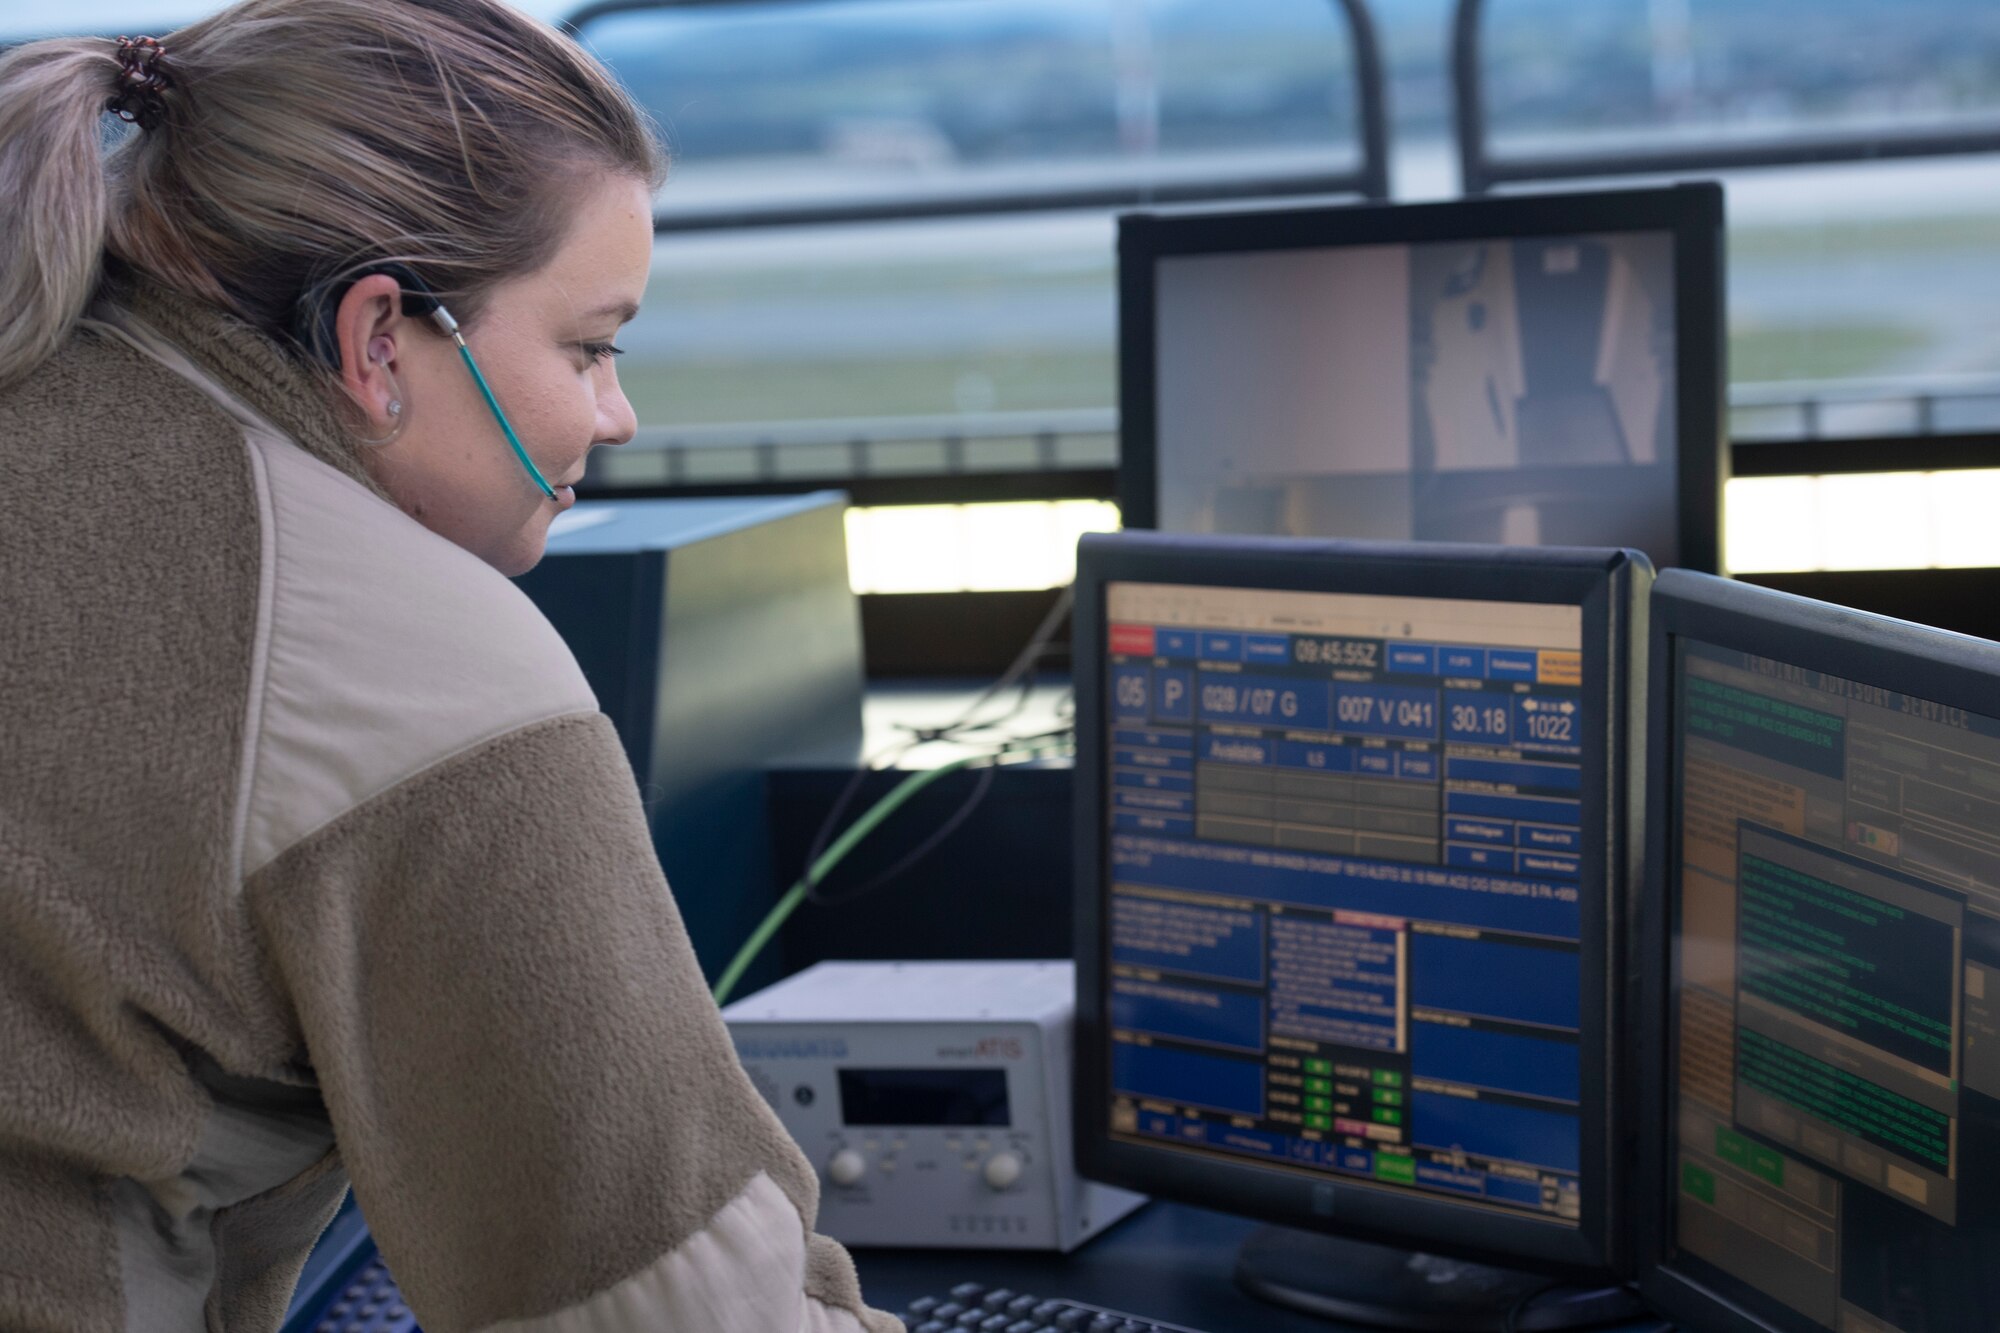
(625, 310)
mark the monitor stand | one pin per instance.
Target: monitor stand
(1403, 1289)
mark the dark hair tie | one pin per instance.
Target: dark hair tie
(141, 83)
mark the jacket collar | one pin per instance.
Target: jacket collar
(270, 379)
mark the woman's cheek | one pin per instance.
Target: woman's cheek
(557, 430)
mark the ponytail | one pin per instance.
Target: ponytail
(54, 197)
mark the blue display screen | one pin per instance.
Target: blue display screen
(1346, 867)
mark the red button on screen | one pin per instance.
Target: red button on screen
(1132, 640)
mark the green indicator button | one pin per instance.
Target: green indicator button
(1321, 1122)
(1388, 1078)
(1321, 1067)
(1732, 1148)
(1699, 1183)
(1388, 1115)
(1322, 1104)
(1399, 1170)
(1323, 1086)
(1388, 1097)
(1765, 1163)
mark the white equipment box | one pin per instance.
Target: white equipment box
(933, 1097)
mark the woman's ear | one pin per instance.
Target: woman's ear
(367, 328)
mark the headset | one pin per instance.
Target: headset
(319, 308)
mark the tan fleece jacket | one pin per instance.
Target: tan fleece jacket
(318, 862)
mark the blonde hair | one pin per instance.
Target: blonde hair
(301, 142)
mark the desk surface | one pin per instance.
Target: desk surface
(1166, 1261)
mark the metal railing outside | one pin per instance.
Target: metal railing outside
(1916, 405)
(956, 445)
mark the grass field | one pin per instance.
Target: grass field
(802, 390)
(695, 392)
(844, 379)
(1976, 235)
(1819, 351)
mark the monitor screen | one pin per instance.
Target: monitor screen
(1833, 1129)
(1488, 371)
(1351, 883)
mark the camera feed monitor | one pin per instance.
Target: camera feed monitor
(1833, 1122)
(1534, 371)
(1348, 881)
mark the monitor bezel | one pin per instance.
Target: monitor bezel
(1691, 212)
(1608, 586)
(1952, 669)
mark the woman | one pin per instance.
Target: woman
(317, 861)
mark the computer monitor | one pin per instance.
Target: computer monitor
(1352, 847)
(1532, 370)
(1821, 955)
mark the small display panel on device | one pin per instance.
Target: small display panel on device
(924, 1097)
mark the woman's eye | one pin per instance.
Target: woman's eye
(603, 351)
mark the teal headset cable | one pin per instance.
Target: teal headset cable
(449, 326)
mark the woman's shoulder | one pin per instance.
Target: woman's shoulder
(389, 650)
(375, 647)
(125, 481)
(98, 390)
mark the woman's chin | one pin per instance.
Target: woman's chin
(523, 550)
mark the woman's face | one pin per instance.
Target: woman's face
(544, 342)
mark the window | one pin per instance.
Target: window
(899, 107)
(886, 251)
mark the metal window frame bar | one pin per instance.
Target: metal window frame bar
(1480, 170)
(1886, 453)
(1369, 179)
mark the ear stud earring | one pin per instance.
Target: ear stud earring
(397, 418)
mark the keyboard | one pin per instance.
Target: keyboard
(999, 1310)
(369, 1303)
